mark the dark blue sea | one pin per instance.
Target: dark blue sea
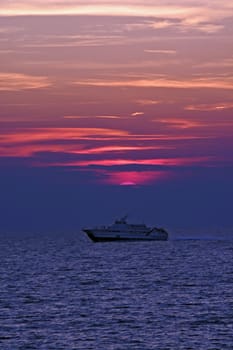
(65, 292)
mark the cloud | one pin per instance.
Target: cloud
(40, 134)
(163, 52)
(191, 83)
(98, 7)
(93, 116)
(17, 82)
(27, 142)
(136, 114)
(87, 143)
(109, 152)
(201, 124)
(182, 123)
(32, 148)
(126, 161)
(205, 16)
(148, 102)
(82, 40)
(210, 107)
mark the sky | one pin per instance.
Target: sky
(114, 107)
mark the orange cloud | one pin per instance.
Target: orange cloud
(166, 52)
(182, 123)
(191, 83)
(136, 114)
(16, 82)
(210, 107)
(116, 8)
(148, 102)
(184, 15)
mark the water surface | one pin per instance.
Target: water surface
(65, 292)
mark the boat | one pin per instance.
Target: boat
(121, 230)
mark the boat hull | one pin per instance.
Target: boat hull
(98, 237)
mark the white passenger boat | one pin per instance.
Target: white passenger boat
(120, 230)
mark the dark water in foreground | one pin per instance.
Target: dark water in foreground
(69, 293)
